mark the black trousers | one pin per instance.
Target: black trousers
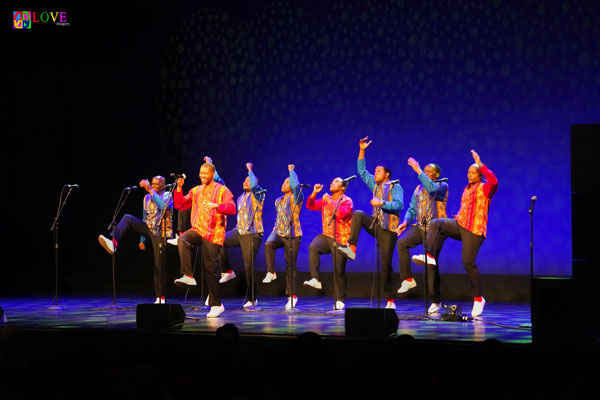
(249, 244)
(387, 242)
(210, 259)
(129, 222)
(291, 248)
(410, 238)
(443, 228)
(183, 220)
(323, 244)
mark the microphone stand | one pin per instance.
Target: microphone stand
(375, 218)
(335, 246)
(291, 253)
(249, 229)
(424, 224)
(111, 226)
(529, 325)
(162, 244)
(54, 228)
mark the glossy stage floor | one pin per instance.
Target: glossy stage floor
(506, 322)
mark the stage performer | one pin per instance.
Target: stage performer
(247, 234)
(333, 235)
(387, 203)
(287, 233)
(211, 203)
(469, 226)
(428, 202)
(158, 203)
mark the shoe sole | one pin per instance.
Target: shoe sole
(226, 280)
(181, 284)
(349, 256)
(404, 291)
(105, 246)
(314, 287)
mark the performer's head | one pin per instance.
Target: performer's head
(158, 184)
(246, 184)
(207, 173)
(433, 171)
(285, 187)
(474, 174)
(337, 185)
(382, 174)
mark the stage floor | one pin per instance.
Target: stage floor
(501, 321)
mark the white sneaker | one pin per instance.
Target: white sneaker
(434, 308)
(107, 244)
(391, 304)
(339, 305)
(159, 300)
(173, 241)
(185, 281)
(478, 307)
(314, 283)
(407, 285)
(271, 276)
(420, 260)
(215, 311)
(347, 251)
(227, 276)
(289, 305)
(250, 304)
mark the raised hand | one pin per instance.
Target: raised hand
(180, 182)
(317, 188)
(249, 166)
(363, 144)
(291, 167)
(476, 157)
(414, 165)
(144, 183)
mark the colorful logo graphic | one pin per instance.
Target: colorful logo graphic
(25, 19)
(22, 19)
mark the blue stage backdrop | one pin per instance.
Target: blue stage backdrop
(289, 82)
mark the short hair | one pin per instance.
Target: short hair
(160, 177)
(478, 168)
(387, 170)
(209, 165)
(437, 168)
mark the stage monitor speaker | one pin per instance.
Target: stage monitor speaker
(159, 316)
(552, 309)
(371, 322)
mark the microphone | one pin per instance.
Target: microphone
(394, 182)
(304, 185)
(174, 175)
(532, 204)
(441, 180)
(131, 188)
(170, 185)
(348, 179)
(72, 186)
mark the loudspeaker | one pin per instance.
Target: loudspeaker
(552, 309)
(159, 316)
(371, 322)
